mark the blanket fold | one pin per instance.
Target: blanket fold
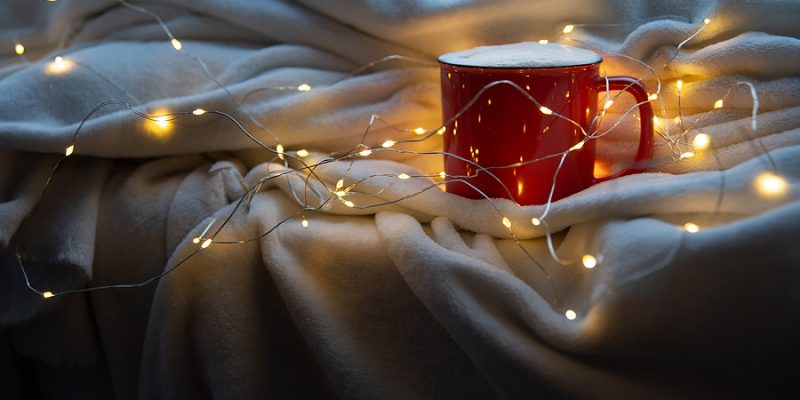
(425, 297)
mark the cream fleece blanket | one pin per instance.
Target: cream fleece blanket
(426, 298)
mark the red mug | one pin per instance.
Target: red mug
(504, 128)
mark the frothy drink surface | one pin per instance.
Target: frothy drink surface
(522, 55)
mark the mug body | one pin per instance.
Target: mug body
(517, 144)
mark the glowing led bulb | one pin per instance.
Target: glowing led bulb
(679, 84)
(687, 154)
(706, 21)
(206, 244)
(162, 121)
(536, 221)
(589, 261)
(769, 184)
(349, 203)
(545, 110)
(442, 174)
(656, 121)
(571, 315)
(58, 66)
(199, 111)
(701, 141)
(544, 41)
(304, 222)
(302, 153)
(69, 150)
(577, 146)
(608, 104)
(341, 193)
(196, 240)
(441, 131)
(507, 222)
(403, 176)
(420, 131)
(339, 184)
(388, 143)
(176, 44)
(47, 294)
(19, 49)
(365, 153)
(691, 227)
(304, 87)
(718, 104)
(279, 149)
(568, 28)
(652, 96)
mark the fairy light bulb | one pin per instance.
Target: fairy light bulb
(304, 222)
(47, 294)
(69, 150)
(420, 131)
(507, 222)
(568, 28)
(706, 21)
(544, 41)
(441, 131)
(389, 143)
(199, 111)
(442, 174)
(162, 121)
(349, 203)
(304, 87)
(687, 154)
(652, 96)
(59, 66)
(545, 110)
(19, 49)
(691, 227)
(177, 44)
(608, 104)
(679, 84)
(206, 244)
(403, 176)
(770, 185)
(279, 149)
(302, 153)
(365, 152)
(589, 261)
(719, 103)
(196, 240)
(701, 142)
(570, 314)
(577, 146)
(339, 184)
(536, 221)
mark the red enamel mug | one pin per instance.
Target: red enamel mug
(503, 144)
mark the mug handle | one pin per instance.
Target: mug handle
(632, 86)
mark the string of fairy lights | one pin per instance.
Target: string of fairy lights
(326, 194)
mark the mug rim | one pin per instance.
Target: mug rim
(455, 63)
(443, 63)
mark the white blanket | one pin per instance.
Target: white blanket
(425, 298)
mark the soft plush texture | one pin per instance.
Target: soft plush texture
(425, 298)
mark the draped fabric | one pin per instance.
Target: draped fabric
(428, 297)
